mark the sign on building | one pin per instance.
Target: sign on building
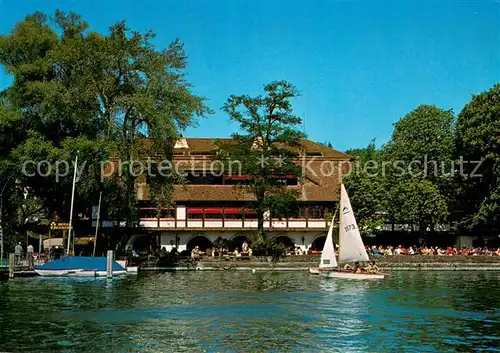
(59, 226)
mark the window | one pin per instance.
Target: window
(195, 216)
(287, 181)
(316, 212)
(233, 216)
(203, 178)
(314, 154)
(202, 153)
(250, 214)
(213, 216)
(296, 212)
(235, 179)
(145, 213)
(167, 213)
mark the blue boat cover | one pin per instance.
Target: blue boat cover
(80, 262)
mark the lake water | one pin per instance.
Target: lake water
(245, 312)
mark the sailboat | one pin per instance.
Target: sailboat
(351, 246)
(79, 266)
(328, 260)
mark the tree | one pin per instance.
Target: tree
(366, 189)
(220, 244)
(142, 93)
(265, 149)
(419, 176)
(80, 92)
(55, 109)
(478, 146)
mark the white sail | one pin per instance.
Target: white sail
(352, 248)
(328, 254)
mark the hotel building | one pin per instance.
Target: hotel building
(208, 205)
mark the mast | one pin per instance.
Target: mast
(97, 222)
(340, 221)
(71, 209)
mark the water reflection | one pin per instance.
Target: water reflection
(245, 312)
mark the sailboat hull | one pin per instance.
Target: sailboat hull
(318, 270)
(77, 273)
(351, 275)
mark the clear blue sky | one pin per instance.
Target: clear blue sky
(359, 66)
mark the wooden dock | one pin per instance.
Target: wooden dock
(9, 270)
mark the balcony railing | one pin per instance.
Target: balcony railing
(219, 218)
(170, 223)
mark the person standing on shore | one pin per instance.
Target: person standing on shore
(29, 255)
(18, 252)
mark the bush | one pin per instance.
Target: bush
(220, 244)
(268, 246)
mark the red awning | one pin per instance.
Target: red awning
(289, 176)
(246, 177)
(213, 210)
(237, 210)
(235, 177)
(218, 210)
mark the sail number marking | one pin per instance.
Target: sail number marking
(349, 227)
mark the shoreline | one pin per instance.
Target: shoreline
(286, 269)
(303, 263)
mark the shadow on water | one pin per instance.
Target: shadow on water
(245, 312)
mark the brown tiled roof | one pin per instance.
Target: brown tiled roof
(328, 192)
(208, 144)
(321, 180)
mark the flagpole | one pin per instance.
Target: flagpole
(71, 209)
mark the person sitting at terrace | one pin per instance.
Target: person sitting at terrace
(250, 251)
(236, 253)
(244, 247)
(163, 252)
(411, 251)
(497, 253)
(195, 253)
(375, 251)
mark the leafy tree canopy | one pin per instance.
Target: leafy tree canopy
(265, 147)
(478, 145)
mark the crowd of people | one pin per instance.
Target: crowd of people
(246, 250)
(373, 251)
(431, 250)
(371, 267)
(414, 250)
